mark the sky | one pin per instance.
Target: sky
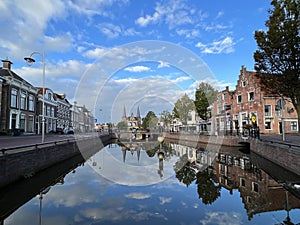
(111, 54)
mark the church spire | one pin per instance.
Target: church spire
(138, 114)
(124, 113)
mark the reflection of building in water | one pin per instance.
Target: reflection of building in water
(259, 192)
(132, 122)
(133, 147)
(201, 159)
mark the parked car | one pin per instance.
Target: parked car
(59, 131)
(69, 130)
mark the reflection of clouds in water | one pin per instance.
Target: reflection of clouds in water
(76, 196)
(164, 200)
(138, 195)
(114, 169)
(222, 218)
(119, 214)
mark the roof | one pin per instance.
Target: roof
(5, 73)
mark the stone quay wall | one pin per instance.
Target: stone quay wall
(26, 163)
(284, 156)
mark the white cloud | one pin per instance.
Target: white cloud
(138, 195)
(144, 21)
(225, 45)
(171, 13)
(113, 31)
(163, 64)
(96, 52)
(188, 33)
(137, 69)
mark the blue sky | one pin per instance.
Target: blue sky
(85, 39)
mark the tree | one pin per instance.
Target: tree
(208, 191)
(122, 125)
(166, 117)
(150, 121)
(204, 96)
(182, 108)
(277, 59)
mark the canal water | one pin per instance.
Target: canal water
(169, 184)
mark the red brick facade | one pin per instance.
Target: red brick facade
(251, 105)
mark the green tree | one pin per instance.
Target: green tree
(122, 125)
(277, 59)
(204, 96)
(182, 108)
(166, 117)
(150, 121)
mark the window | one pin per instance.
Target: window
(277, 110)
(242, 182)
(23, 100)
(49, 96)
(22, 121)
(52, 112)
(268, 125)
(31, 103)
(268, 110)
(219, 108)
(239, 98)
(14, 98)
(251, 96)
(294, 126)
(225, 96)
(30, 124)
(255, 187)
(219, 98)
(244, 83)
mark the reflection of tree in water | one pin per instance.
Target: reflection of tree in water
(208, 190)
(184, 172)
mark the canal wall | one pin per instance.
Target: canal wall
(27, 163)
(284, 156)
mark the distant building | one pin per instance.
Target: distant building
(63, 111)
(82, 119)
(133, 122)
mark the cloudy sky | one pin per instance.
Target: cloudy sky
(107, 54)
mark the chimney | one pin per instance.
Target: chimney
(6, 64)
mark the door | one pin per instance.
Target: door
(280, 128)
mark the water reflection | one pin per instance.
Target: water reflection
(206, 187)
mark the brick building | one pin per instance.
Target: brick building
(18, 102)
(251, 104)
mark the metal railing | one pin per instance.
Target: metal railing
(35, 145)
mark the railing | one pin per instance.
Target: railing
(35, 146)
(290, 145)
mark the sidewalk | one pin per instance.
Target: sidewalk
(289, 138)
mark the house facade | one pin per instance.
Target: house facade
(49, 111)
(63, 111)
(21, 107)
(18, 102)
(251, 105)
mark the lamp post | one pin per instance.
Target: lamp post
(30, 61)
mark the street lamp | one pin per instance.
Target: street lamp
(30, 61)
